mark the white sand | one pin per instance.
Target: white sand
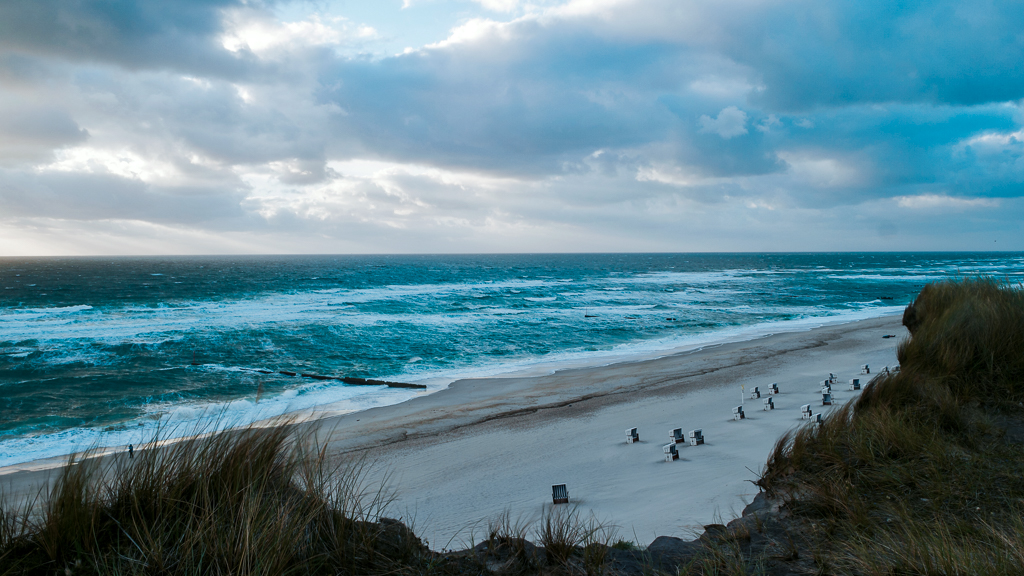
(465, 454)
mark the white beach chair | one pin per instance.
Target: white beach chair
(632, 436)
(826, 389)
(773, 388)
(854, 384)
(559, 494)
(805, 412)
(769, 404)
(818, 419)
(696, 437)
(737, 413)
(671, 452)
(865, 369)
(832, 378)
(676, 436)
(826, 399)
(755, 393)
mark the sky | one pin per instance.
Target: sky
(474, 126)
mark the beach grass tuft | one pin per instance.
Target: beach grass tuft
(251, 501)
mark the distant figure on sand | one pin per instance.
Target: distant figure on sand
(131, 451)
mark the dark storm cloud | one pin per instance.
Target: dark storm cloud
(177, 34)
(520, 105)
(840, 52)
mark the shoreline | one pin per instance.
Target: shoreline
(463, 454)
(542, 368)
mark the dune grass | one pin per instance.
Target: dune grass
(922, 475)
(253, 501)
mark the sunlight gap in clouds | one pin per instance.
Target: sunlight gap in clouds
(255, 32)
(943, 201)
(124, 163)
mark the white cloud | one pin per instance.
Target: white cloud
(499, 5)
(822, 171)
(942, 201)
(262, 35)
(730, 122)
(768, 123)
(474, 30)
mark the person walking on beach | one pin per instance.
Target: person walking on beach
(131, 451)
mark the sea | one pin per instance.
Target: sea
(99, 352)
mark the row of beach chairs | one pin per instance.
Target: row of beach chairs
(672, 451)
(560, 494)
(767, 403)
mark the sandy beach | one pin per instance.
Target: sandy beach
(465, 454)
(457, 457)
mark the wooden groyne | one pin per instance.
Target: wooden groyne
(345, 379)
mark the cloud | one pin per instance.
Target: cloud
(730, 122)
(582, 125)
(177, 34)
(499, 5)
(31, 132)
(942, 201)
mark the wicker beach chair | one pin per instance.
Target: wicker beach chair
(676, 436)
(632, 436)
(865, 369)
(755, 393)
(769, 404)
(671, 452)
(559, 494)
(805, 412)
(773, 388)
(737, 413)
(696, 437)
(826, 399)
(818, 419)
(854, 384)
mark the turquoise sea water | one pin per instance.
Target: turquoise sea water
(101, 351)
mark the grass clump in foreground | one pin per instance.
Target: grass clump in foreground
(255, 501)
(923, 474)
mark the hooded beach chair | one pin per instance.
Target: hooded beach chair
(737, 413)
(671, 452)
(854, 383)
(805, 412)
(826, 399)
(865, 369)
(696, 437)
(559, 494)
(769, 404)
(755, 393)
(676, 436)
(632, 436)
(773, 388)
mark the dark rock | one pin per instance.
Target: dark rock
(627, 562)
(668, 551)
